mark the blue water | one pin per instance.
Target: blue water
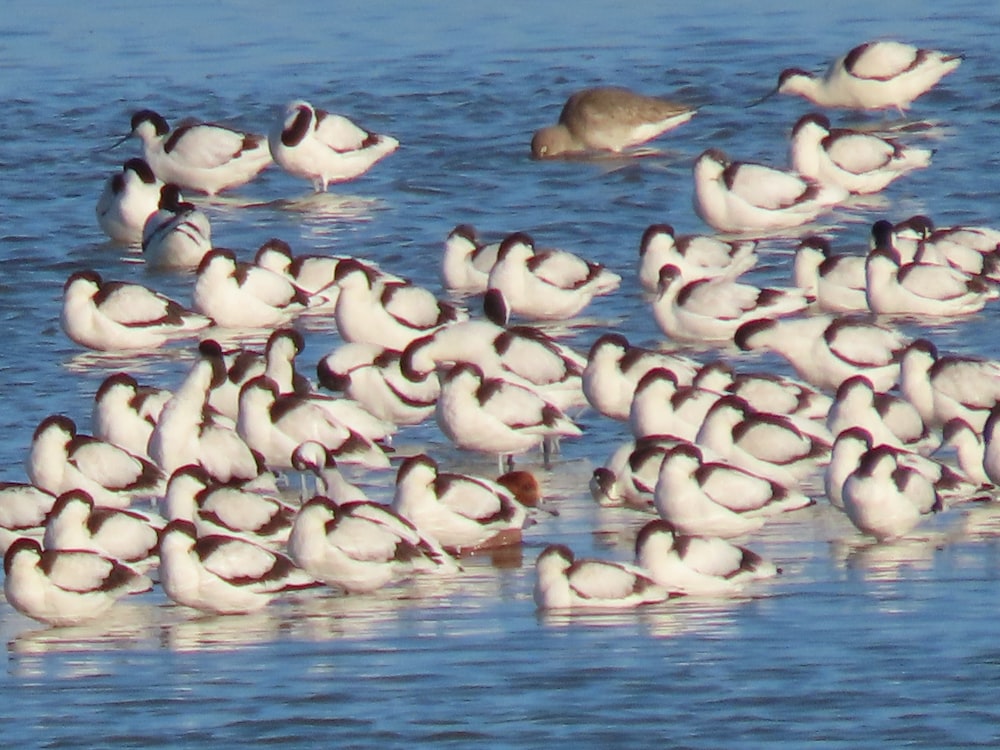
(856, 645)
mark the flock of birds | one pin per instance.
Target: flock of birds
(715, 454)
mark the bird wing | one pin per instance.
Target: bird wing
(880, 60)
(208, 145)
(865, 345)
(131, 304)
(76, 570)
(596, 579)
(235, 560)
(339, 133)
(859, 153)
(765, 186)
(116, 467)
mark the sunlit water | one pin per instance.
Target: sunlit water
(855, 645)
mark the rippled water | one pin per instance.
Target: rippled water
(855, 645)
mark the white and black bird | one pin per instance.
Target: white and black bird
(113, 316)
(125, 413)
(882, 74)
(836, 282)
(371, 375)
(273, 425)
(715, 498)
(464, 513)
(748, 198)
(61, 460)
(201, 156)
(825, 351)
(65, 587)
(546, 285)
(697, 256)
(769, 445)
(490, 415)
(711, 310)
(241, 295)
(919, 289)
(884, 499)
(615, 367)
(188, 433)
(361, 546)
(371, 309)
(324, 148)
(946, 386)
(221, 574)
(226, 508)
(178, 234)
(128, 199)
(76, 523)
(564, 583)
(859, 162)
(697, 565)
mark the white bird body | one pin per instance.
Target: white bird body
(919, 289)
(463, 512)
(836, 282)
(890, 420)
(886, 500)
(128, 199)
(185, 435)
(768, 445)
(466, 262)
(371, 375)
(615, 367)
(274, 425)
(697, 256)
(490, 415)
(661, 407)
(238, 295)
(970, 450)
(60, 460)
(361, 546)
(226, 508)
(177, 235)
(547, 285)
(764, 391)
(75, 523)
(522, 355)
(391, 314)
(321, 147)
(65, 587)
(711, 310)
(825, 351)
(221, 574)
(23, 510)
(116, 315)
(200, 156)
(712, 498)
(747, 198)
(125, 413)
(875, 75)
(697, 565)
(943, 387)
(861, 163)
(564, 583)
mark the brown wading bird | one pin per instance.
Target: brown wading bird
(607, 118)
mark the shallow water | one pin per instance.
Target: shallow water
(855, 645)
